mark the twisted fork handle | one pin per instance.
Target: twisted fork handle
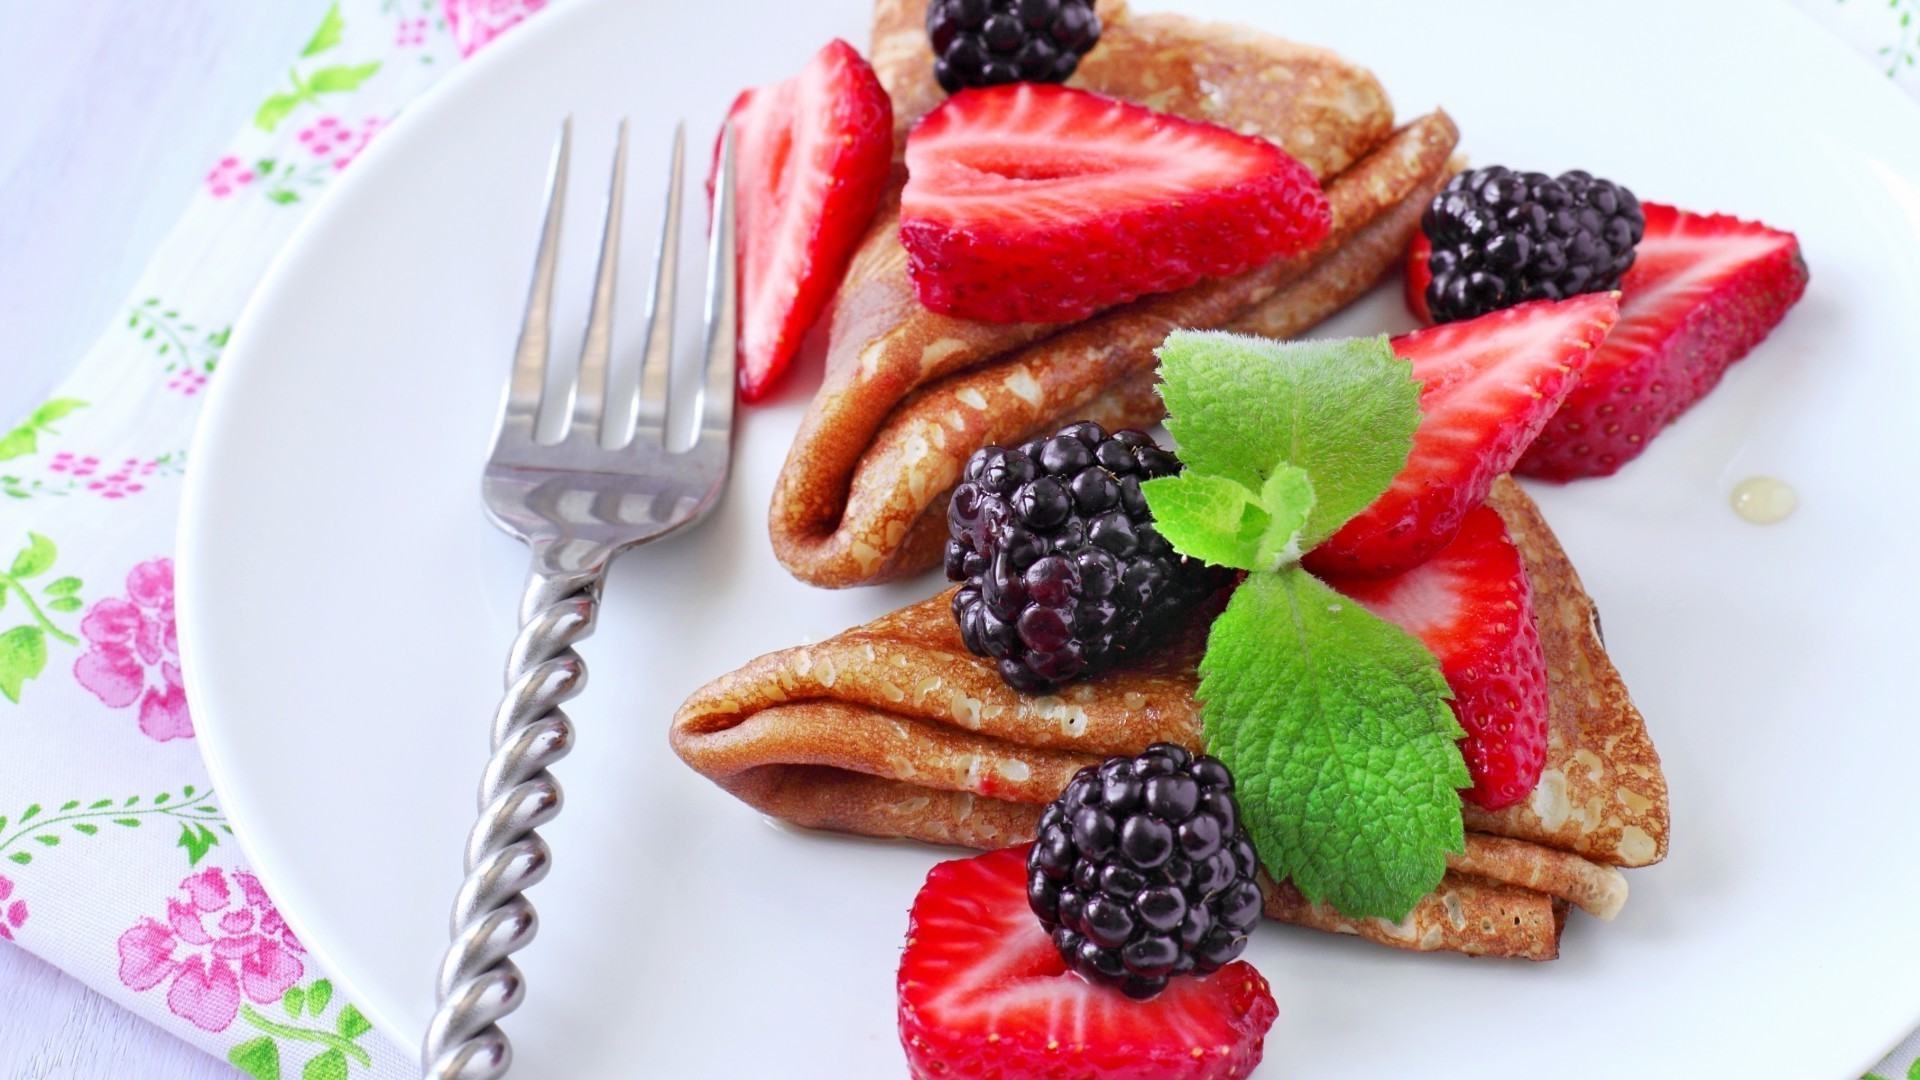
(505, 856)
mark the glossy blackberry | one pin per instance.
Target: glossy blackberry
(1062, 572)
(1501, 237)
(989, 42)
(1142, 870)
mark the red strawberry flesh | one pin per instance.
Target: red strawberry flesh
(812, 155)
(1472, 607)
(984, 995)
(1703, 291)
(1037, 203)
(1488, 386)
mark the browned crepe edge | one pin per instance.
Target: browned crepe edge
(1603, 793)
(883, 521)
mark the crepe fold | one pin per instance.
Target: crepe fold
(893, 729)
(909, 395)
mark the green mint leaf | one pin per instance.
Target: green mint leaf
(1288, 498)
(1344, 411)
(65, 586)
(1335, 725)
(1210, 518)
(328, 35)
(318, 995)
(293, 1001)
(35, 558)
(1217, 520)
(23, 656)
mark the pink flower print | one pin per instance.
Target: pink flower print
(213, 951)
(73, 465)
(120, 483)
(476, 22)
(134, 653)
(188, 382)
(410, 33)
(228, 177)
(368, 129)
(326, 135)
(12, 915)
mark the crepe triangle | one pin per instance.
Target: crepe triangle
(908, 394)
(893, 729)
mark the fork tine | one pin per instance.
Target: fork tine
(590, 385)
(520, 411)
(658, 361)
(716, 395)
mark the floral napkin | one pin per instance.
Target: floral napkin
(116, 860)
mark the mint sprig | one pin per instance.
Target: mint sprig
(1334, 721)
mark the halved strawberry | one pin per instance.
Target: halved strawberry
(812, 155)
(984, 995)
(1703, 291)
(1036, 203)
(1472, 607)
(1488, 385)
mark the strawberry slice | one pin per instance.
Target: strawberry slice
(1036, 203)
(1488, 385)
(1472, 607)
(1703, 291)
(812, 155)
(984, 994)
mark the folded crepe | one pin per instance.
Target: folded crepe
(893, 729)
(909, 394)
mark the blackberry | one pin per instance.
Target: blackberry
(1142, 870)
(990, 42)
(1501, 237)
(1062, 571)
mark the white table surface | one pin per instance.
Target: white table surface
(110, 116)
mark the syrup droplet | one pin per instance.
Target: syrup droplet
(1764, 500)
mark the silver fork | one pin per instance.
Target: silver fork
(610, 483)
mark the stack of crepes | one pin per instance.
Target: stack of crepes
(893, 729)
(910, 394)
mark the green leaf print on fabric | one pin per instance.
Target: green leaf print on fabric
(340, 1039)
(180, 342)
(332, 79)
(1902, 52)
(331, 1065)
(23, 648)
(328, 35)
(192, 807)
(25, 439)
(337, 79)
(197, 839)
(258, 1058)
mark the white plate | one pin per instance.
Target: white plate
(346, 610)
